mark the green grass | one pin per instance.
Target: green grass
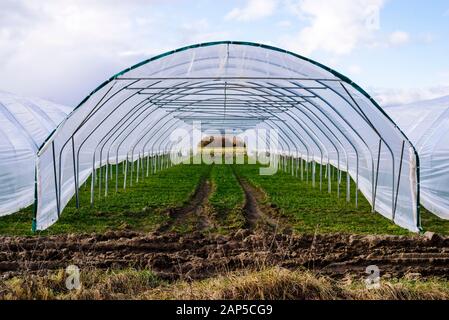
(141, 207)
(227, 198)
(311, 210)
(431, 222)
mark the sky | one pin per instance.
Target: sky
(61, 50)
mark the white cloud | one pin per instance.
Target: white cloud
(62, 50)
(253, 10)
(444, 77)
(355, 70)
(426, 37)
(284, 24)
(390, 97)
(398, 38)
(199, 31)
(335, 26)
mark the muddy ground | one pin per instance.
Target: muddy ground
(196, 255)
(265, 241)
(197, 209)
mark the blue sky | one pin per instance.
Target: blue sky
(62, 49)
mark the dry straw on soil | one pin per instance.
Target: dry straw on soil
(270, 284)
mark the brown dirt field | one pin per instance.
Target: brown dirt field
(266, 242)
(198, 256)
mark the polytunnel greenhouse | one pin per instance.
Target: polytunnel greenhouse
(321, 117)
(427, 125)
(25, 123)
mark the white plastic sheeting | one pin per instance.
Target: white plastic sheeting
(25, 123)
(426, 123)
(319, 114)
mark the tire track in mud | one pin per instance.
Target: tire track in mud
(257, 215)
(197, 208)
(198, 256)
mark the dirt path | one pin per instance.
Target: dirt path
(197, 209)
(258, 215)
(197, 256)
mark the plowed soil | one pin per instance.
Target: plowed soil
(197, 256)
